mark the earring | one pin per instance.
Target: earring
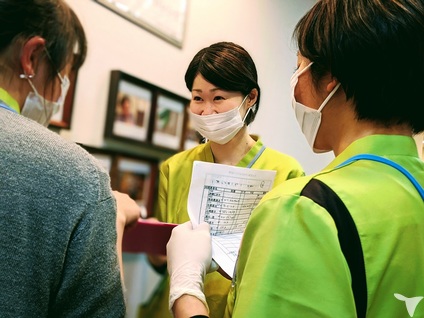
(26, 76)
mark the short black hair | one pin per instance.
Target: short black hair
(375, 49)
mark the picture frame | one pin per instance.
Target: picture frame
(62, 119)
(164, 18)
(137, 178)
(129, 108)
(169, 120)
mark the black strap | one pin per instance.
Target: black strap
(350, 242)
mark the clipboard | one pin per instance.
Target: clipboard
(147, 237)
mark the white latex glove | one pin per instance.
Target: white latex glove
(189, 253)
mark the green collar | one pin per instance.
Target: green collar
(9, 100)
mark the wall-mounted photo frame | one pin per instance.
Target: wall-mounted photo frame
(135, 177)
(169, 120)
(164, 18)
(129, 107)
(62, 119)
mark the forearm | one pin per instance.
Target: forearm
(127, 213)
(188, 306)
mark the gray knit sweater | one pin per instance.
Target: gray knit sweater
(57, 227)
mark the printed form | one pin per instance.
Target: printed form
(225, 196)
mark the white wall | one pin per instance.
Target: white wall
(263, 27)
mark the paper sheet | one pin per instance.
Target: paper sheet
(224, 196)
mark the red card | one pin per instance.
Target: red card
(147, 237)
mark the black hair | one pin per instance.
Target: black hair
(53, 20)
(228, 66)
(375, 49)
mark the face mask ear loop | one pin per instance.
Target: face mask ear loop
(28, 77)
(245, 116)
(328, 97)
(247, 112)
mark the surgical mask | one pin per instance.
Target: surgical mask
(308, 118)
(37, 108)
(219, 128)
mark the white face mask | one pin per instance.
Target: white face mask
(308, 118)
(219, 128)
(37, 108)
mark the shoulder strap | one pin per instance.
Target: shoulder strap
(386, 161)
(350, 242)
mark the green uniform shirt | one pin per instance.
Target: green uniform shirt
(291, 264)
(174, 184)
(9, 101)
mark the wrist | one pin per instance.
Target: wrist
(189, 306)
(182, 284)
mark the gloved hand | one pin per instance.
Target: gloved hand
(189, 253)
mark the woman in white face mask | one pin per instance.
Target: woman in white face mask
(225, 99)
(60, 228)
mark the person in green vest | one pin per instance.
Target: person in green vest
(223, 81)
(347, 241)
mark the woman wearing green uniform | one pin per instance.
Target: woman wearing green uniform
(349, 240)
(225, 100)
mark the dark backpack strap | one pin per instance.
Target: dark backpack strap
(350, 242)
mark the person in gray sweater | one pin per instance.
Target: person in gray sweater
(61, 225)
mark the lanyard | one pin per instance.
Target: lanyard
(2, 105)
(387, 162)
(233, 280)
(256, 157)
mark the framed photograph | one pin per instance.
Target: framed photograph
(135, 177)
(62, 119)
(164, 18)
(170, 112)
(129, 107)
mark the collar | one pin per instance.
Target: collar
(247, 161)
(9, 101)
(250, 158)
(380, 145)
